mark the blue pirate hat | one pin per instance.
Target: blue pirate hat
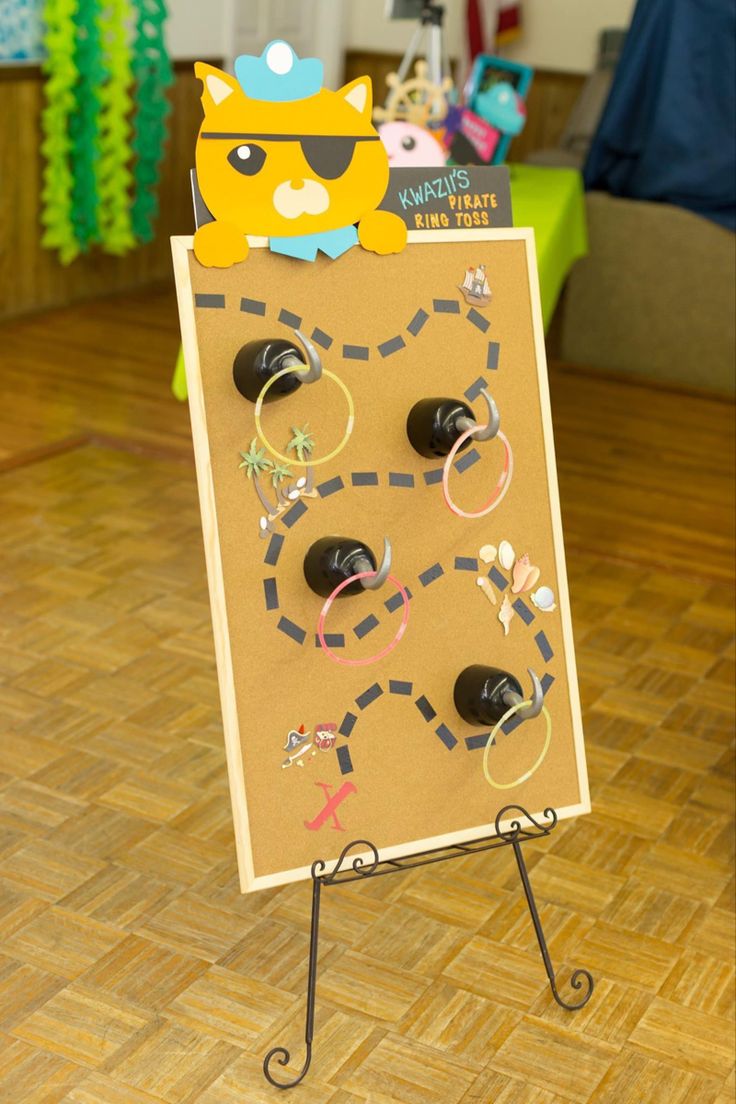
(278, 75)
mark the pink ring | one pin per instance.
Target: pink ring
(326, 609)
(499, 490)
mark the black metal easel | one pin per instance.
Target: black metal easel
(513, 836)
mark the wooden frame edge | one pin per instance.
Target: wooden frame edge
(559, 540)
(210, 531)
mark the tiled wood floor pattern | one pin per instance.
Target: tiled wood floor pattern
(133, 972)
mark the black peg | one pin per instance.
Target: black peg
(482, 694)
(332, 560)
(258, 361)
(432, 425)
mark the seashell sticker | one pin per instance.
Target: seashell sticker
(506, 555)
(485, 586)
(506, 614)
(488, 553)
(525, 575)
(544, 599)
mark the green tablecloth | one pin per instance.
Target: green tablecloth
(550, 200)
(553, 202)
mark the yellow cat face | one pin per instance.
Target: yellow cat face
(281, 169)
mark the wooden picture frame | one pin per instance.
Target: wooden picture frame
(263, 858)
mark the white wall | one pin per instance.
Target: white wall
(195, 28)
(225, 28)
(563, 34)
(558, 34)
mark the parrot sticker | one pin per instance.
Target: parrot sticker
(280, 156)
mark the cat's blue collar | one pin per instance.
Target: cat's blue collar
(305, 246)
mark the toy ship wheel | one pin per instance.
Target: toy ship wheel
(416, 100)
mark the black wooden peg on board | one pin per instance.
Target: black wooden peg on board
(483, 695)
(435, 425)
(257, 362)
(332, 560)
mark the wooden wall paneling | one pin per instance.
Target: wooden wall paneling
(32, 278)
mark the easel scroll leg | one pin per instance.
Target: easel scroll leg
(281, 1054)
(580, 978)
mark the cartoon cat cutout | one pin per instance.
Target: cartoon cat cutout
(280, 156)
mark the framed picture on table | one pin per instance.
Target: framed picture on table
(487, 74)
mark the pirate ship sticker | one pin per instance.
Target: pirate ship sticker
(474, 287)
(278, 155)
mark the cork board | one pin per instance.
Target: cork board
(405, 771)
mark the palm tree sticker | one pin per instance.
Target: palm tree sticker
(280, 472)
(255, 462)
(302, 443)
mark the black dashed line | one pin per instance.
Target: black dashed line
(290, 319)
(355, 352)
(290, 629)
(330, 486)
(472, 456)
(253, 306)
(274, 549)
(417, 322)
(368, 624)
(319, 337)
(478, 320)
(271, 594)
(393, 345)
(369, 695)
(432, 573)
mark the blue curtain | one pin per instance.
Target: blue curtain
(668, 131)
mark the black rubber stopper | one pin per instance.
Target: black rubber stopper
(332, 560)
(479, 694)
(256, 362)
(431, 425)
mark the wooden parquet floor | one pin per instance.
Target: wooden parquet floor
(133, 972)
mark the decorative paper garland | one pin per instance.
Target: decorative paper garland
(153, 74)
(113, 176)
(58, 180)
(87, 181)
(84, 122)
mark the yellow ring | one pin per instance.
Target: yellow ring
(290, 459)
(527, 774)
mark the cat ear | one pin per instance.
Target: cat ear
(216, 85)
(359, 94)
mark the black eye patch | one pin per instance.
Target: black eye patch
(247, 159)
(328, 157)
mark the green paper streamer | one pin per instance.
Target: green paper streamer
(61, 77)
(153, 74)
(83, 123)
(114, 178)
